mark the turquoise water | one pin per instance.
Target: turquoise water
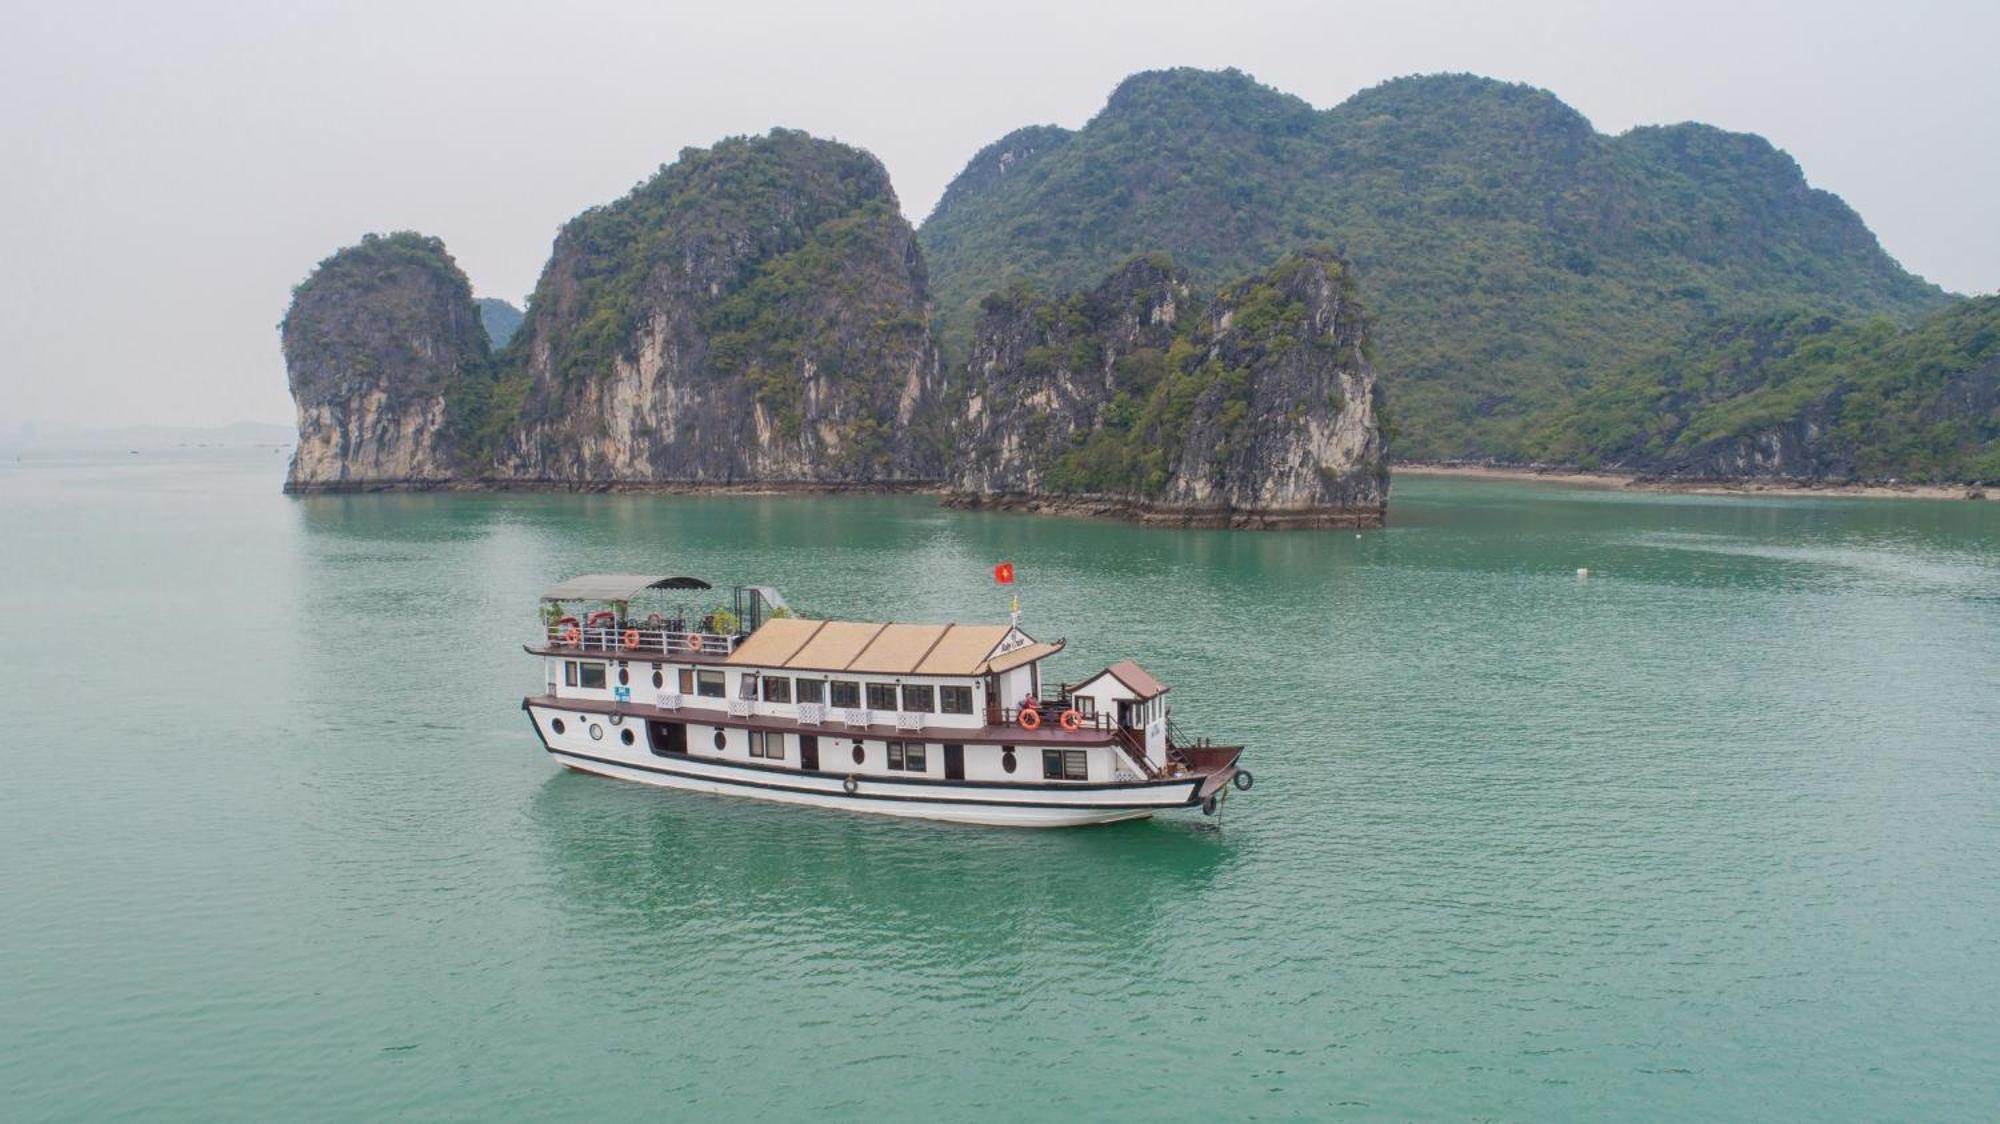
(1712, 833)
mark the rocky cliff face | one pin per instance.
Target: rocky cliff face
(754, 314)
(375, 342)
(1259, 409)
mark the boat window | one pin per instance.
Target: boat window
(687, 680)
(906, 757)
(556, 724)
(1065, 765)
(709, 684)
(881, 696)
(591, 676)
(860, 754)
(721, 740)
(844, 692)
(777, 688)
(1007, 758)
(955, 700)
(919, 697)
(569, 673)
(658, 679)
(748, 688)
(765, 744)
(1085, 705)
(812, 690)
(624, 676)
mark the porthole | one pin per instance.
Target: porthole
(596, 732)
(625, 736)
(1007, 761)
(556, 724)
(860, 754)
(721, 740)
(658, 679)
(624, 676)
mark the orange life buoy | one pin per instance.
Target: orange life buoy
(693, 642)
(571, 635)
(631, 638)
(1071, 720)
(605, 615)
(1031, 719)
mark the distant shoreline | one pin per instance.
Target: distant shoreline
(1577, 478)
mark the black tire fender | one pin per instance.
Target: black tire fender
(851, 785)
(1209, 806)
(1243, 780)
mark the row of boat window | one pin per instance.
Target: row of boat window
(917, 698)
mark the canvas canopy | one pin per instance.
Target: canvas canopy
(617, 587)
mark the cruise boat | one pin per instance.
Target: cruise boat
(928, 721)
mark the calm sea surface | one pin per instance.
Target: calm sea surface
(1712, 833)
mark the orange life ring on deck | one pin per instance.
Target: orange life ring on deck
(631, 638)
(693, 642)
(1071, 720)
(571, 636)
(1031, 719)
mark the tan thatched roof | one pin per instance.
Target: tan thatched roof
(883, 649)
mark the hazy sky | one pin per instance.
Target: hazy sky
(173, 169)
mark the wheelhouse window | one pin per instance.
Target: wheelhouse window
(955, 700)
(748, 688)
(777, 688)
(1085, 705)
(812, 690)
(709, 684)
(577, 673)
(844, 692)
(768, 745)
(920, 698)
(881, 696)
(906, 757)
(1065, 765)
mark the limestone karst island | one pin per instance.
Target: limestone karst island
(1211, 305)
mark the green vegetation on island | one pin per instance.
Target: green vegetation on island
(1801, 395)
(1511, 253)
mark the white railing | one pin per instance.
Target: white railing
(812, 713)
(636, 641)
(855, 716)
(667, 700)
(741, 708)
(909, 720)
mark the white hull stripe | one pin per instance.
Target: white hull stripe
(983, 812)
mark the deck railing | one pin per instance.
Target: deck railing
(635, 641)
(1051, 709)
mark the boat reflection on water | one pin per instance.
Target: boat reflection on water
(673, 874)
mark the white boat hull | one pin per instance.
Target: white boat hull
(985, 803)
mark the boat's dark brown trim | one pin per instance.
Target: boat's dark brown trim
(1049, 736)
(755, 786)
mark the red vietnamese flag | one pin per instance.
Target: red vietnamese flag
(1004, 573)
